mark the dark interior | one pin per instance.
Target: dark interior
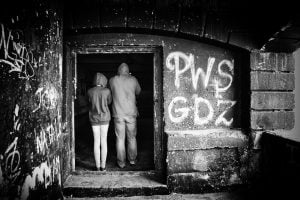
(141, 66)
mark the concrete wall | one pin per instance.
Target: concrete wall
(205, 92)
(30, 101)
(295, 135)
(272, 93)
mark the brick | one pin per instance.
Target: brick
(272, 100)
(217, 27)
(166, 15)
(140, 14)
(113, 14)
(86, 15)
(272, 81)
(272, 62)
(202, 160)
(206, 139)
(269, 120)
(262, 61)
(285, 62)
(192, 21)
(202, 182)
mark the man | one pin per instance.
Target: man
(125, 88)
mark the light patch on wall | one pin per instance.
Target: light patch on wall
(44, 174)
(47, 98)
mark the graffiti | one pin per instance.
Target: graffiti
(16, 56)
(45, 138)
(12, 161)
(173, 63)
(221, 118)
(41, 142)
(16, 119)
(46, 135)
(44, 174)
(182, 113)
(203, 111)
(47, 98)
(56, 176)
(205, 119)
(218, 89)
(189, 63)
(1, 174)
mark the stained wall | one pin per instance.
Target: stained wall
(31, 97)
(205, 107)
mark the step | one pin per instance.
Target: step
(109, 184)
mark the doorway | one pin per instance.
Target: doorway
(144, 64)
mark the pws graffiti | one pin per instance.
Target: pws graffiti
(16, 56)
(45, 174)
(47, 98)
(173, 63)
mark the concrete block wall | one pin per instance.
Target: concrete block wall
(272, 85)
(206, 162)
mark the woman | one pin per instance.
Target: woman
(99, 116)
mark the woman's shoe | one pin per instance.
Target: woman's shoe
(103, 169)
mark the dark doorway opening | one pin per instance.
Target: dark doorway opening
(142, 67)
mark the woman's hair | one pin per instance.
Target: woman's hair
(100, 79)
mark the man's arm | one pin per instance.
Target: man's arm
(137, 88)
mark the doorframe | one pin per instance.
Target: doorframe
(158, 135)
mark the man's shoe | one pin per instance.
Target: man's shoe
(132, 163)
(121, 166)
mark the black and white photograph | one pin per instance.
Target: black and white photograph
(149, 99)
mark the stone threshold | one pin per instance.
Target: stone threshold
(112, 183)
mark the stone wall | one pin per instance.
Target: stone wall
(205, 90)
(272, 104)
(30, 100)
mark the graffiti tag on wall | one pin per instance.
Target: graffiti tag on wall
(182, 107)
(16, 56)
(44, 174)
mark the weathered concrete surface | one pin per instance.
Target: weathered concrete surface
(114, 184)
(202, 160)
(174, 196)
(272, 81)
(272, 100)
(272, 61)
(206, 139)
(200, 182)
(269, 120)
